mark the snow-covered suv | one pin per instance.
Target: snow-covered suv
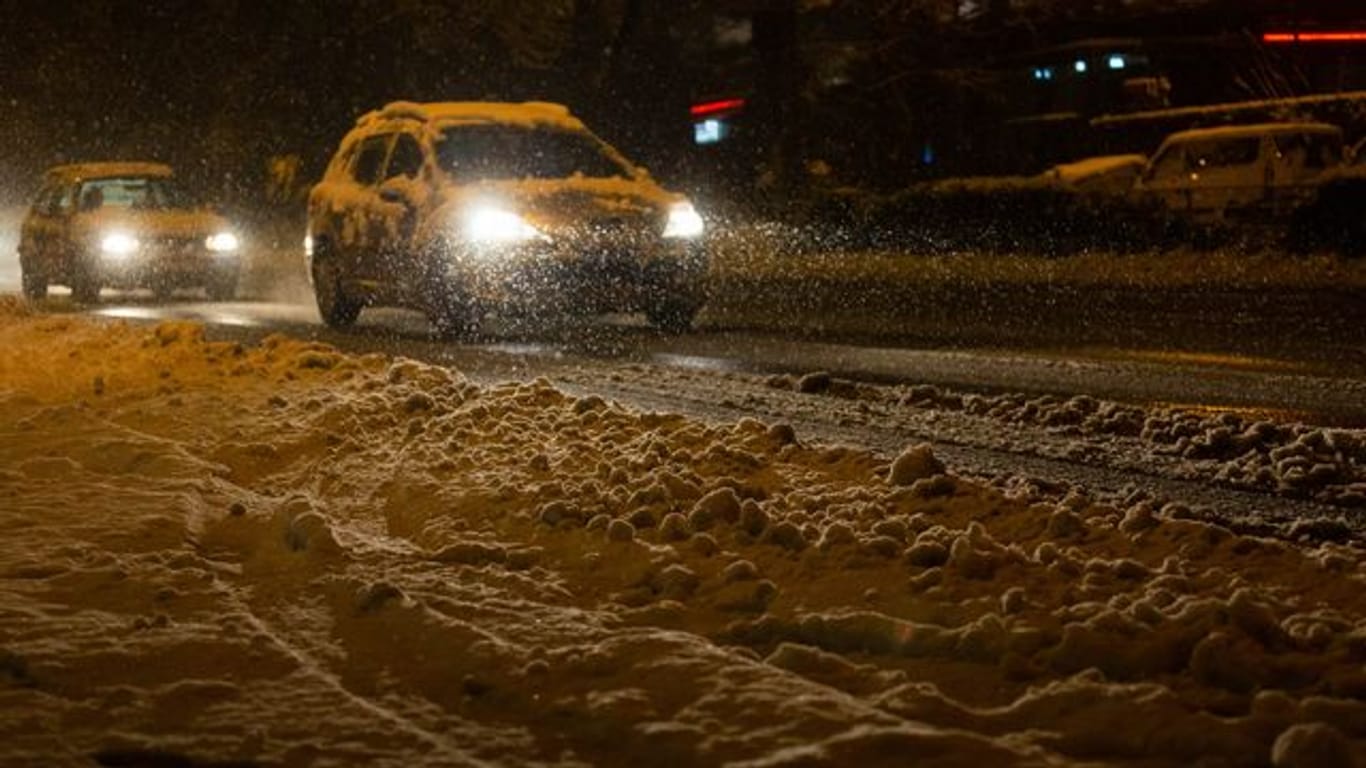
(124, 225)
(455, 208)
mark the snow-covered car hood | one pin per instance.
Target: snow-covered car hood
(152, 223)
(556, 203)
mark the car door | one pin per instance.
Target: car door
(1167, 178)
(1298, 162)
(362, 226)
(34, 228)
(1226, 173)
(403, 198)
(44, 240)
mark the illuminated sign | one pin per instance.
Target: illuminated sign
(1315, 37)
(708, 131)
(717, 107)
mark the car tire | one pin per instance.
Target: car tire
(34, 284)
(452, 317)
(85, 285)
(673, 315)
(223, 287)
(337, 308)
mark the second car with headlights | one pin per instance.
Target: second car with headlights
(124, 225)
(456, 208)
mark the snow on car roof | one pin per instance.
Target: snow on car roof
(1257, 129)
(78, 171)
(527, 113)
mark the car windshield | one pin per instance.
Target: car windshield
(138, 192)
(477, 152)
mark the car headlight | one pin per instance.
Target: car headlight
(119, 244)
(496, 225)
(684, 222)
(222, 242)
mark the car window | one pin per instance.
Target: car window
(63, 199)
(1221, 153)
(406, 159)
(43, 202)
(133, 192)
(369, 162)
(513, 152)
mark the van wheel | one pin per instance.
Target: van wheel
(338, 309)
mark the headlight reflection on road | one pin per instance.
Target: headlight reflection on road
(236, 319)
(696, 362)
(133, 313)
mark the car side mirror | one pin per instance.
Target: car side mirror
(395, 190)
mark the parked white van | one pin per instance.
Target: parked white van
(1242, 170)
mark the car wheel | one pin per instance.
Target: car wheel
(338, 309)
(34, 284)
(223, 287)
(673, 315)
(452, 317)
(85, 286)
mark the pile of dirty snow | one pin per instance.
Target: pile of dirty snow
(1294, 460)
(287, 555)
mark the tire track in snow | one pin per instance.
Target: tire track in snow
(312, 667)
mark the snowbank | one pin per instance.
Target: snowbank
(287, 555)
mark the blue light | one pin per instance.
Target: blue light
(1043, 73)
(1117, 61)
(1080, 66)
(708, 132)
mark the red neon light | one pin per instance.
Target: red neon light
(1314, 37)
(713, 107)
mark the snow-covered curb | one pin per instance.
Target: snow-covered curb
(1289, 459)
(288, 555)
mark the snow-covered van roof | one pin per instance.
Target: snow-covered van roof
(520, 113)
(82, 171)
(1256, 129)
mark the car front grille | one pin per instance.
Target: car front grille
(177, 245)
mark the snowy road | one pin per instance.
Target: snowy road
(1322, 383)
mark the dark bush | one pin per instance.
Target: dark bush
(1004, 215)
(1335, 219)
